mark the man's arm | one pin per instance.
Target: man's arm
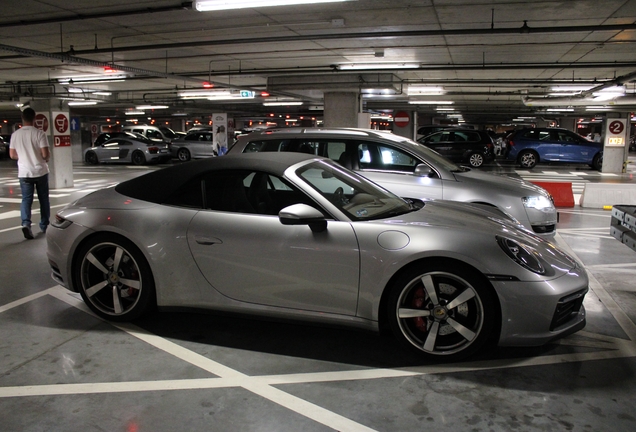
(13, 154)
(46, 154)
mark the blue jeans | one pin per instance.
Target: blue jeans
(28, 186)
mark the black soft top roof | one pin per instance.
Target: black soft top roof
(158, 185)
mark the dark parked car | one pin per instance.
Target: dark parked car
(462, 145)
(530, 146)
(4, 148)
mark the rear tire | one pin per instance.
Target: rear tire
(597, 162)
(183, 154)
(138, 158)
(114, 278)
(476, 160)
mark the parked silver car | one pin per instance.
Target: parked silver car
(196, 144)
(131, 148)
(412, 170)
(300, 237)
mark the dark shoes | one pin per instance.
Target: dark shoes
(28, 234)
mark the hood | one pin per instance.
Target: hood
(501, 181)
(465, 224)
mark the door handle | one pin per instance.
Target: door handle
(207, 240)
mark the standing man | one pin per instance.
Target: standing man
(30, 147)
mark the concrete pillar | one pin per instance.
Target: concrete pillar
(54, 119)
(615, 142)
(341, 109)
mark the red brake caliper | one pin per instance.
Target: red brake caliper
(418, 303)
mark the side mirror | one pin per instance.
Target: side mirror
(423, 170)
(302, 214)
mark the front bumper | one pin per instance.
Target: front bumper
(535, 313)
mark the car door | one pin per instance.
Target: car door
(115, 150)
(442, 143)
(252, 257)
(572, 149)
(206, 144)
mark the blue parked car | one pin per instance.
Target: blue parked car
(530, 146)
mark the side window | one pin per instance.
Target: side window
(267, 146)
(252, 192)
(190, 195)
(376, 156)
(154, 134)
(113, 143)
(565, 137)
(141, 131)
(460, 137)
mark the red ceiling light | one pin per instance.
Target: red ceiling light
(109, 69)
(207, 84)
(264, 94)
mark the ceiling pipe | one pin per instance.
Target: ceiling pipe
(576, 101)
(371, 35)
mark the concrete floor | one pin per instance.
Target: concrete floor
(63, 369)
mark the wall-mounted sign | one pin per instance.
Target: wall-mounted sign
(615, 132)
(61, 130)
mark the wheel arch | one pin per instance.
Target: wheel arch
(107, 236)
(383, 319)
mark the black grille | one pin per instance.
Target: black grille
(542, 229)
(567, 308)
(55, 273)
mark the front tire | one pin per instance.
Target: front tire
(91, 158)
(445, 311)
(528, 159)
(114, 278)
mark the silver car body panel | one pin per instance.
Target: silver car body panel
(503, 192)
(253, 263)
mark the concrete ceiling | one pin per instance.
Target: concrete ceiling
(486, 55)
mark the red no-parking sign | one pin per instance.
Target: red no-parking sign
(402, 119)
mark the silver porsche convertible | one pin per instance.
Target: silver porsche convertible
(299, 236)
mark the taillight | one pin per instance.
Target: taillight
(511, 143)
(60, 222)
(153, 150)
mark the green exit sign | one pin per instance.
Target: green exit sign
(247, 94)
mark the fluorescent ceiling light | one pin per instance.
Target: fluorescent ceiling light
(571, 88)
(216, 94)
(441, 108)
(102, 93)
(145, 107)
(414, 90)
(80, 103)
(560, 110)
(431, 102)
(282, 103)
(357, 66)
(135, 113)
(212, 5)
(75, 90)
(91, 79)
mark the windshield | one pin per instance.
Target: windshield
(433, 157)
(358, 198)
(169, 133)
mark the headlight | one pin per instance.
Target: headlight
(523, 255)
(539, 202)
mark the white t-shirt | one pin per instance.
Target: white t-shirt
(28, 141)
